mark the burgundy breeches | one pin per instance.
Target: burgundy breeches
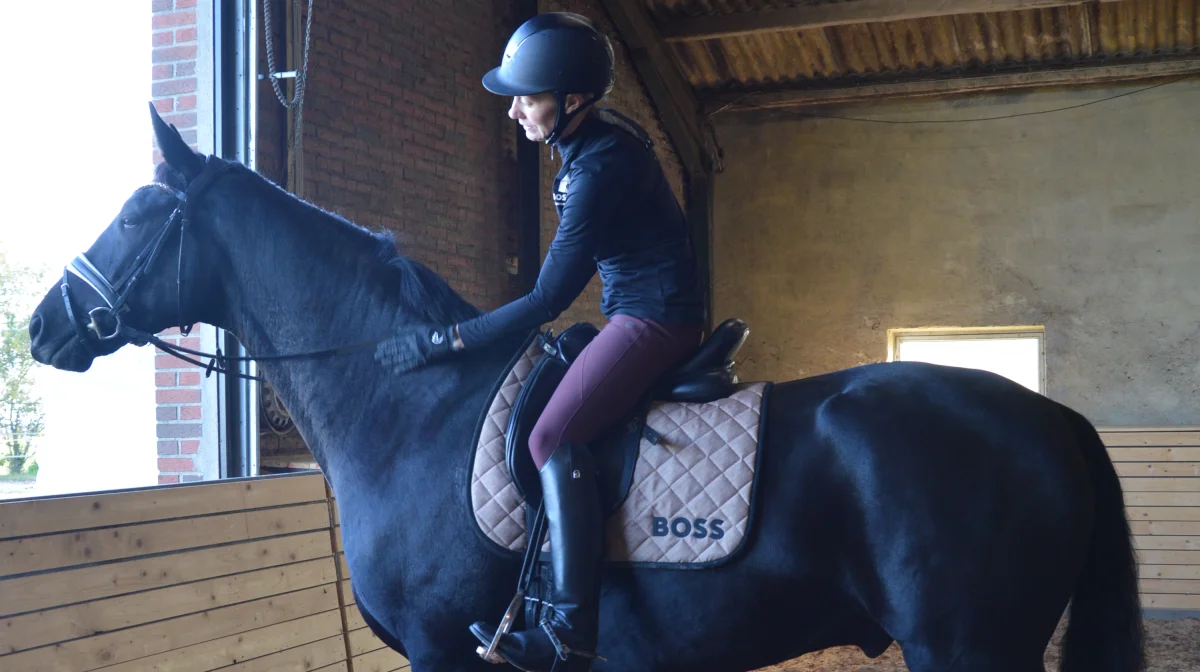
(608, 377)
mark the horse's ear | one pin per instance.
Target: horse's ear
(174, 150)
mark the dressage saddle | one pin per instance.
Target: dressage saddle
(707, 375)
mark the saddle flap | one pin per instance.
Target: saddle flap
(559, 353)
(528, 407)
(615, 452)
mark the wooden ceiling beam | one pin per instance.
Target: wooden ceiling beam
(1064, 77)
(841, 13)
(679, 109)
(670, 92)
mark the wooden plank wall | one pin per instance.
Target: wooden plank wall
(239, 576)
(1160, 473)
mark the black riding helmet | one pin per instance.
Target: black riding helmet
(556, 52)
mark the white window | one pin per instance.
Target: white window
(1017, 353)
(70, 432)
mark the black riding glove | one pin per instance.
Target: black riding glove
(415, 346)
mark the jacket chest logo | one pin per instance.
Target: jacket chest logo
(560, 194)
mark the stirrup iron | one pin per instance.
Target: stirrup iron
(488, 653)
(536, 539)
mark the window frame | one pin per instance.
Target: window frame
(1038, 332)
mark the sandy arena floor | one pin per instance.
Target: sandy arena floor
(1171, 646)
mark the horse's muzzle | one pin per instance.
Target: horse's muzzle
(63, 352)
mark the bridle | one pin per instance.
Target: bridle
(105, 322)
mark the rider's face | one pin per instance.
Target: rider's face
(535, 114)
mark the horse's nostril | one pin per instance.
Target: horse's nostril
(35, 328)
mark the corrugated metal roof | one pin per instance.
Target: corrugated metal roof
(966, 43)
(669, 9)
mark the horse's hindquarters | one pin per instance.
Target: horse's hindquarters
(951, 504)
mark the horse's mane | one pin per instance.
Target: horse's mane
(418, 287)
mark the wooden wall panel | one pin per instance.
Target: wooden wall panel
(1160, 474)
(243, 576)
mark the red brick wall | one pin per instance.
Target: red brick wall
(174, 64)
(173, 91)
(399, 134)
(628, 97)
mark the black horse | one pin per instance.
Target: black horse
(947, 509)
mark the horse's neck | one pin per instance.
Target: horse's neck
(359, 419)
(294, 284)
(294, 289)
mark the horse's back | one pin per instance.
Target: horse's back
(906, 441)
(871, 411)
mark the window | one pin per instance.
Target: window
(106, 428)
(1017, 353)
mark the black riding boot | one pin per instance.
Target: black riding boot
(568, 627)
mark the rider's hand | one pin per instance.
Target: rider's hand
(417, 345)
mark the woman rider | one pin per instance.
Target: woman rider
(618, 215)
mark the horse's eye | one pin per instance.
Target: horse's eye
(128, 222)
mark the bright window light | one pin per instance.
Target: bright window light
(77, 135)
(1016, 355)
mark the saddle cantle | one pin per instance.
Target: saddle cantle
(708, 374)
(676, 476)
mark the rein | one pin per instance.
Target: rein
(106, 323)
(223, 364)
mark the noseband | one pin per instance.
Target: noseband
(106, 323)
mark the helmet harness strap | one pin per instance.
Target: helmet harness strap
(562, 119)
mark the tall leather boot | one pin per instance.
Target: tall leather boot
(565, 640)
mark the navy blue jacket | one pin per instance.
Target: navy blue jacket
(617, 215)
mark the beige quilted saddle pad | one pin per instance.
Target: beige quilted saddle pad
(690, 502)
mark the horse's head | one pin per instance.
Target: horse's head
(141, 275)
